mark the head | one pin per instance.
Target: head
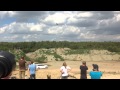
(84, 63)
(31, 62)
(22, 58)
(64, 64)
(95, 67)
(48, 76)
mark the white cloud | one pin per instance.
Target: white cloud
(14, 36)
(72, 25)
(118, 37)
(55, 30)
(2, 30)
(26, 36)
(72, 19)
(22, 27)
(11, 13)
(36, 27)
(64, 30)
(4, 14)
(117, 17)
(10, 38)
(57, 18)
(85, 14)
(87, 35)
(71, 30)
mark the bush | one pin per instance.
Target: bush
(41, 59)
(79, 51)
(58, 57)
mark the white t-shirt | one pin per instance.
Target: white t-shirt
(65, 70)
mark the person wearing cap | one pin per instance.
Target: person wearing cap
(83, 69)
(95, 74)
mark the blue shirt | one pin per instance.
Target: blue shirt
(32, 68)
(95, 74)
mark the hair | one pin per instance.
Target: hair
(31, 62)
(84, 62)
(22, 57)
(64, 64)
(95, 67)
(48, 76)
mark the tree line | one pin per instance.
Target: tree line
(33, 46)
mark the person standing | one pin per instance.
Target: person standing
(22, 68)
(95, 74)
(64, 71)
(32, 70)
(83, 70)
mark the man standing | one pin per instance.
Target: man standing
(22, 68)
(32, 70)
(83, 69)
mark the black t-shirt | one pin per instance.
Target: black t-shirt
(83, 70)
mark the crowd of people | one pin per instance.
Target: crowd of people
(64, 69)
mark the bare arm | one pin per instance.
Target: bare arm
(61, 70)
(69, 69)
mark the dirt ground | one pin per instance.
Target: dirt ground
(110, 69)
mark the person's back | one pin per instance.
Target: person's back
(22, 68)
(83, 69)
(22, 65)
(95, 75)
(32, 70)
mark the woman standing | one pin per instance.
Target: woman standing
(64, 71)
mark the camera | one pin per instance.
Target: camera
(7, 63)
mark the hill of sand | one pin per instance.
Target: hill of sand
(94, 55)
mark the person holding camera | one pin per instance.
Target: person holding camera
(83, 70)
(95, 74)
(22, 68)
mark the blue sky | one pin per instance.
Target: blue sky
(22, 26)
(6, 21)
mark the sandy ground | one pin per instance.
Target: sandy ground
(110, 69)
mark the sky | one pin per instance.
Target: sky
(77, 26)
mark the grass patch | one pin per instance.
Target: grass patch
(58, 57)
(79, 51)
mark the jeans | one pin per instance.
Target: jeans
(32, 76)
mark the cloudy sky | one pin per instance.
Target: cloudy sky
(22, 26)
